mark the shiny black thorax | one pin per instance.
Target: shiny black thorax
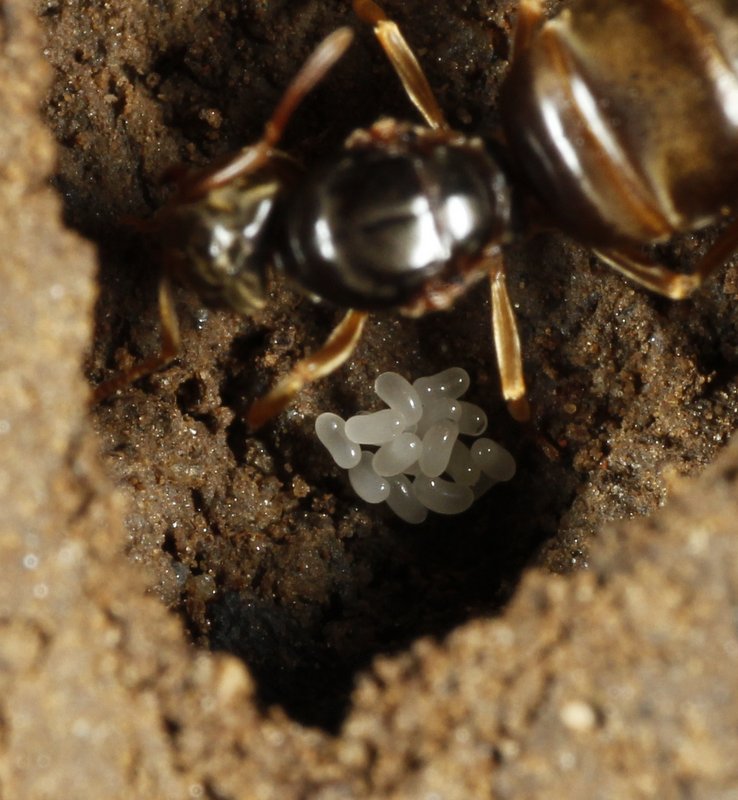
(399, 218)
(399, 210)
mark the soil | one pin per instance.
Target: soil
(192, 610)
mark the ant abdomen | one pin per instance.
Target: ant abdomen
(624, 117)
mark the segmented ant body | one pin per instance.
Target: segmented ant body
(621, 118)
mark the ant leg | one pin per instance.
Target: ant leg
(507, 344)
(170, 344)
(255, 156)
(403, 60)
(674, 285)
(339, 347)
(649, 274)
(199, 183)
(530, 17)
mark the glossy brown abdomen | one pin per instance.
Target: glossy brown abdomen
(623, 115)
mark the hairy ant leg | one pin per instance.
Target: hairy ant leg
(194, 187)
(504, 326)
(338, 348)
(660, 279)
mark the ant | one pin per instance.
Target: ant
(400, 218)
(611, 131)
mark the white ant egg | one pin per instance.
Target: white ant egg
(404, 503)
(396, 456)
(493, 459)
(420, 463)
(441, 496)
(460, 467)
(399, 396)
(377, 428)
(366, 483)
(451, 383)
(330, 429)
(437, 445)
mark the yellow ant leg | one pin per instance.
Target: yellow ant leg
(337, 349)
(170, 345)
(404, 62)
(507, 343)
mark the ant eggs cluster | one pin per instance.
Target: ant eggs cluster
(420, 463)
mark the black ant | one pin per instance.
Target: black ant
(621, 123)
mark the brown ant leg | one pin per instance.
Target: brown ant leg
(507, 343)
(649, 274)
(251, 158)
(338, 347)
(196, 185)
(170, 345)
(403, 60)
(674, 285)
(530, 17)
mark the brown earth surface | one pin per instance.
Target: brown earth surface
(193, 611)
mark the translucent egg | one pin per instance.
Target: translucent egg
(472, 419)
(452, 383)
(493, 459)
(417, 441)
(377, 428)
(437, 445)
(442, 496)
(399, 395)
(404, 503)
(396, 456)
(330, 430)
(366, 483)
(460, 467)
(437, 410)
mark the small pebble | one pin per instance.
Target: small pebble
(578, 716)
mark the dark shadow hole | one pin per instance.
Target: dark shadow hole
(390, 588)
(190, 395)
